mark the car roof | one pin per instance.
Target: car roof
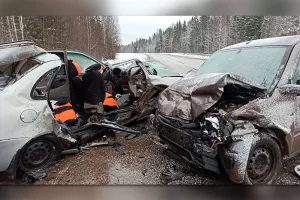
(20, 42)
(16, 51)
(74, 51)
(275, 41)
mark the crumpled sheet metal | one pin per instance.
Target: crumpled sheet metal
(239, 150)
(163, 81)
(273, 113)
(253, 113)
(195, 93)
(13, 53)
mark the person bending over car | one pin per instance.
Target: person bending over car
(94, 88)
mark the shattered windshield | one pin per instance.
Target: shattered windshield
(260, 64)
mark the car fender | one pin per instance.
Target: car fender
(238, 151)
(9, 148)
(13, 161)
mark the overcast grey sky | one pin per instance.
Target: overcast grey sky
(133, 27)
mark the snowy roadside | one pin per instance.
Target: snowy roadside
(127, 56)
(143, 57)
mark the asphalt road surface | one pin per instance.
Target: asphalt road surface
(142, 164)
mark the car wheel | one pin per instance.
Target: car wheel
(264, 162)
(39, 154)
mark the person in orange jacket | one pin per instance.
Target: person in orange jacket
(64, 113)
(110, 103)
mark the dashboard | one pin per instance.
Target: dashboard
(119, 77)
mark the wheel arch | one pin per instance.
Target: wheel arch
(279, 136)
(14, 168)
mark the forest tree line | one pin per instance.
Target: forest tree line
(95, 35)
(207, 34)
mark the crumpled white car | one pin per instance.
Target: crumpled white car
(31, 79)
(28, 134)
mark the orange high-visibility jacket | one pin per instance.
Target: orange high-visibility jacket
(78, 69)
(65, 113)
(110, 101)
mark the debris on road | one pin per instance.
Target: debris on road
(31, 177)
(130, 136)
(173, 173)
(70, 151)
(96, 144)
(297, 170)
(118, 147)
(144, 172)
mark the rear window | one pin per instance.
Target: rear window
(28, 65)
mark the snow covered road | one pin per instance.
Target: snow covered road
(176, 62)
(180, 64)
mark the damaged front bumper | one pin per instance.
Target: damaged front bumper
(231, 157)
(184, 145)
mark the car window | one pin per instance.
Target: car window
(62, 71)
(10, 69)
(83, 61)
(28, 65)
(39, 90)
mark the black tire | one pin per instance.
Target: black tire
(39, 153)
(264, 162)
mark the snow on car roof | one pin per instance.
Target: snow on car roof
(276, 41)
(17, 51)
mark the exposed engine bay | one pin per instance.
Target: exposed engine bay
(213, 127)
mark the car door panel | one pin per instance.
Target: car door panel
(61, 88)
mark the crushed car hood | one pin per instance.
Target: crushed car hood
(163, 81)
(13, 52)
(195, 93)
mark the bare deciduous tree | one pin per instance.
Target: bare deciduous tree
(96, 35)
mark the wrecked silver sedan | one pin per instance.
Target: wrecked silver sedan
(239, 112)
(27, 139)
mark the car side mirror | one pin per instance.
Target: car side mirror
(290, 89)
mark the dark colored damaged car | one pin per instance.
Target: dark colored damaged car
(239, 113)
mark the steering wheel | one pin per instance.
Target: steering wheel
(107, 73)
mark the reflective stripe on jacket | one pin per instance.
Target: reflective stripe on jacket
(65, 114)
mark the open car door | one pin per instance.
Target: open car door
(60, 88)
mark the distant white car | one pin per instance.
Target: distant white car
(28, 133)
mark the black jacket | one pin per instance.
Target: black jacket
(77, 88)
(94, 87)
